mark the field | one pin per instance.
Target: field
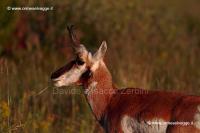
(151, 44)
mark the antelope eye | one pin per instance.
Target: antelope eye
(80, 62)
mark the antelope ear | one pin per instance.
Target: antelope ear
(101, 51)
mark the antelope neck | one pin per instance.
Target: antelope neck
(99, 91)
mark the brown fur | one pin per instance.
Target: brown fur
(139, 104)
(109, 104)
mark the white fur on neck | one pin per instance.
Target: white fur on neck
(91, 87)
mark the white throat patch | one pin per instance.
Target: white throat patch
(91, 87)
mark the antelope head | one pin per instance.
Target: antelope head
(80, 68)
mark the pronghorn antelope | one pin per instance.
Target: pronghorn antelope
(129, 110)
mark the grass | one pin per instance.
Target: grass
(26, 107)
(151, 45)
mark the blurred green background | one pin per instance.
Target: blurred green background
(152, 44)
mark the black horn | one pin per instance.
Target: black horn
(73, 37)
